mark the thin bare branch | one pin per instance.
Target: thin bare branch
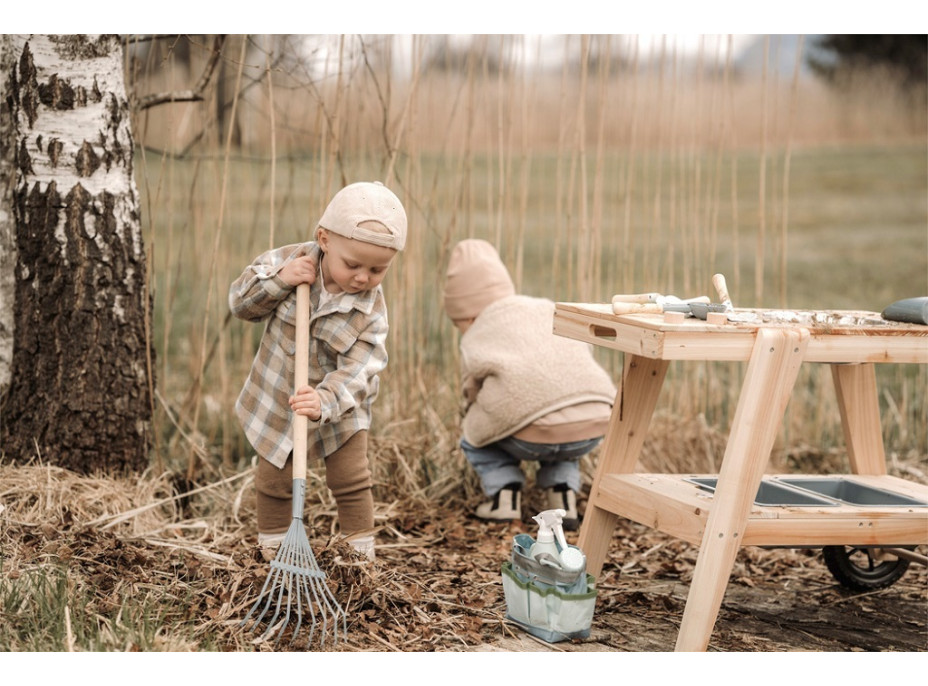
(196, 93)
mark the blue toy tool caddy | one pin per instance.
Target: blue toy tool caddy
(551, 603)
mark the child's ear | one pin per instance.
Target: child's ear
(322, 238)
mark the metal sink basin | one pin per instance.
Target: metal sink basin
(774, 494)
(852, 492)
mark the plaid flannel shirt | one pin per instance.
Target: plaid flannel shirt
(347, 351)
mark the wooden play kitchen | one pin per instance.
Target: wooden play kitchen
(742, 505)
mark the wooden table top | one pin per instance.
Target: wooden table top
(836, 335)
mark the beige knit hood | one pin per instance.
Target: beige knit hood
(476, 277)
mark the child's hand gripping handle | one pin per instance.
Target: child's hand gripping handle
(301, 378)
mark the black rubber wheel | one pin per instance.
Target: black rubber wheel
(856, 568)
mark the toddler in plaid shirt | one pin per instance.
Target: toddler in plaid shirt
(359, 234)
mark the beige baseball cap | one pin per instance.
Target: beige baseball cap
(364, 202)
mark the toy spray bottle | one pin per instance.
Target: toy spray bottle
(551, 547)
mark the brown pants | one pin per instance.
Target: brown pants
(348, 476)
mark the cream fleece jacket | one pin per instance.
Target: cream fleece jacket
(515, 370)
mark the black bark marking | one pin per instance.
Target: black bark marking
(55, 147)
(23, 159)
(115, 118)
(86, 162)
(78, 47)
(29, 97)
(12, 98)
(57, 94)
(81, 250)
(95, 94)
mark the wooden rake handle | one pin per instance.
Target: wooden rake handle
(301, 378)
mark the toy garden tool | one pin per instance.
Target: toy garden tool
(653, 302)
(295, 581)
(911, 310)
(718, 280)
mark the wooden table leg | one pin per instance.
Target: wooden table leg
(859, 404)
(768, 383)
(637, 397)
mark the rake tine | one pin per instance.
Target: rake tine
(286, 619)
(305, 588)
(267, 598)
(299, 611)
(261, 596)
(308, 584)
(257, 603)
(272, 622)
(332, 605)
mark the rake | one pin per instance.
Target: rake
(296, 586)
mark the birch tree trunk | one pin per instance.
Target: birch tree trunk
(7, 244)
(79, 383)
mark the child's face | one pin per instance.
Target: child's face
(352, 266)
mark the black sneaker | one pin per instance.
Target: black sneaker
(560, 497)
(506, 505)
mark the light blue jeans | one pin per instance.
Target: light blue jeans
(498, 464)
